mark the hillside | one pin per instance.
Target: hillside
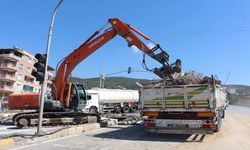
(111, 82)
(237, 94)
(240, 89)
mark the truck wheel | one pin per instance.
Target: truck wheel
(223, 113)
(118, 109)
(133, 108)
(125, 109)
(218, 125)
(93, 110)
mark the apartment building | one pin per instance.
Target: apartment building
(15, 72)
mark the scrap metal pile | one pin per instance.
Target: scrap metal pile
(188, 78)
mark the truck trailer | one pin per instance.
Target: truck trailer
(111, 100)
(183, 109)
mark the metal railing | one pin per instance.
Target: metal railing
(6, 87)
(8, 65)
(11, 56)
(7, 76)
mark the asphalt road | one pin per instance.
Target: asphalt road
(118, 137)
(234, 134)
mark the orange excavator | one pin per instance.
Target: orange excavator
(68, 99)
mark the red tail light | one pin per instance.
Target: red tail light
(206, 126)
(149, 124)
(209, 124)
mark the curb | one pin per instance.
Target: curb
(75, 130)
(19, 141)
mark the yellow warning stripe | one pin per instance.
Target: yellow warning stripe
(6, 142)
(170, 101)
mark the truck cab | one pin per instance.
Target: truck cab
(92, 104)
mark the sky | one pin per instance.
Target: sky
(209, 36)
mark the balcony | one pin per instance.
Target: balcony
(8, 67)
(29, 80)
(6, 88)
(7, 77)
(10, 57)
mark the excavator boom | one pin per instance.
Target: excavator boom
(129, 33)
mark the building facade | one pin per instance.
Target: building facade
(15, 72)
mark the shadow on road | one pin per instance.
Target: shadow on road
(137, 133)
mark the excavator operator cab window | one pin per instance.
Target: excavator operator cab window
(82, 94)
(77, 97)
(73, 101)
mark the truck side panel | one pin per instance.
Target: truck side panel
(177, 98)
(183, 109)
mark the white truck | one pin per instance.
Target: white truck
(183, 109)
(111, 100)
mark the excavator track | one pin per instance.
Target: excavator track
(54, 118)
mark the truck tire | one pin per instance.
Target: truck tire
(93, 110)
(219, 121)
(125, 109)
(133, 108)
(223, 114)
(118, 109)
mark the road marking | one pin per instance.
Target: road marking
(196, 138)
(69, 146)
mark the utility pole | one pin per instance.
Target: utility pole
(44, 85)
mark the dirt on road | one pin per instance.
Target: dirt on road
(234, 134)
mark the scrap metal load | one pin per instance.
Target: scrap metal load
(188, 78)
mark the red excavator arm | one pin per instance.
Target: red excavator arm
(126, 31)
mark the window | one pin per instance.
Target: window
(24, 58)
(29, 60)
(19, 87)
(27, 88)
(19, 77)
(21, 66)
(29, 69)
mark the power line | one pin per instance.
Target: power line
(219, 30)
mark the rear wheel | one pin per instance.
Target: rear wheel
(118, 109)
(125, 109)
(133, 108)
(219, 119)
(223, 113)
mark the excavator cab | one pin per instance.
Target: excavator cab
(77, 98)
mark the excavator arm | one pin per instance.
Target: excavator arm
(126, 31)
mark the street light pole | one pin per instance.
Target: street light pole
(44, 85)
